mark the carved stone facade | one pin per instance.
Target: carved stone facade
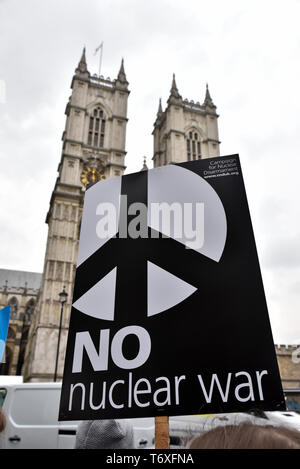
(186, 130)
(19, 290)
(93, 148)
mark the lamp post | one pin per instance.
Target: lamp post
(62, 298)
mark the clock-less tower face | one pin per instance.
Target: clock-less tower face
(90, 176)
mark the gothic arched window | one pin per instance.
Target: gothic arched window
(193, 146)
(97, 128)
(13, 303)
(29, 310)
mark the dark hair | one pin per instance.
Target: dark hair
(2, 421)
(247, 436)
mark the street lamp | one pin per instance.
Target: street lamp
(62, 298)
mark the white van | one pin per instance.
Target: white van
(31, 411)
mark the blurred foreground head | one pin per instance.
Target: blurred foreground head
(247, 436)
(105, 434)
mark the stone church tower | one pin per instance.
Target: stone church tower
(186, 130)
(93, 148)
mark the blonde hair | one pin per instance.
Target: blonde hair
(247, 436)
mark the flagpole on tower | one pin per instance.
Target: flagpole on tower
(100, 57)
(100, 60)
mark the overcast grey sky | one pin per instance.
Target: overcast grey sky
(248, 52)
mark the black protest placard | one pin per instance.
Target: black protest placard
(169, 314)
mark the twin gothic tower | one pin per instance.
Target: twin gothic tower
(93, 149)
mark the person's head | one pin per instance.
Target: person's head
(247, 436)
(105, 434)
(2, 421)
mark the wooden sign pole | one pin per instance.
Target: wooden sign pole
(162, 433)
